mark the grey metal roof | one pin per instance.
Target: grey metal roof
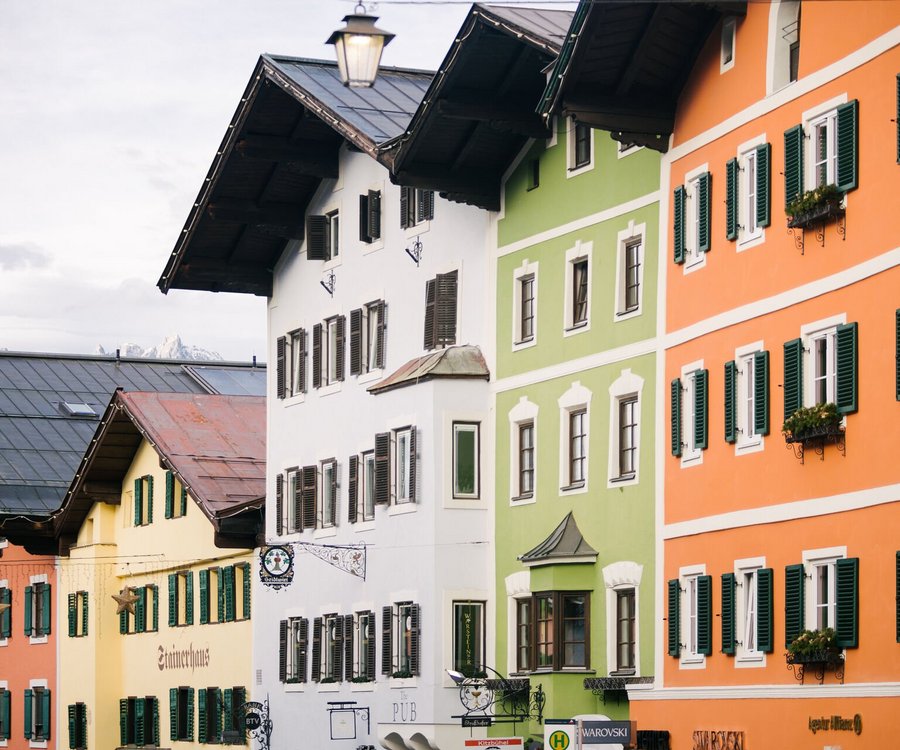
(551, 25)
(453, 362)
(41, 445)
(564, 545)
(380, 112)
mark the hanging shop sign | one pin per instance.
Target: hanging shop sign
(718, 739)
(276, 569)
(496, 743)
(607, 733)
(836, 724)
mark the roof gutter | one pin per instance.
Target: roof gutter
(550, 97)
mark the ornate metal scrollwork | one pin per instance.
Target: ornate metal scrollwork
(501, 699)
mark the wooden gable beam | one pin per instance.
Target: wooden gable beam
(312, 157)
(250, 212)
(516, 120)
(212, 275)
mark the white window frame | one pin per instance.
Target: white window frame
(626, 386)
(746, 210)
(370, 337)
(576, 398)
(744, 395)
(360, 646)
(582, 251)
(693, 258)
(290, 523)
(293, 653)
(366, 507)
(35, 709)
(571, 169)
(633, 233)
(402, 465)
(783, 17)
(458, 426)
(625, 150)
(331, 623)
(687, 579)
(518, 587)
(622, 576)
(294, 364)
(727, 44)
(32, 580)
(690, 454)
(825, 114)
(326, 466)
(826, 331)
(378, 243)
(522, 413)
(519, 275)
(813, 560)
(416, 227)
(329, 351)
(333, 233)
(746, 612)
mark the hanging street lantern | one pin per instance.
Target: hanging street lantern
(358, 48)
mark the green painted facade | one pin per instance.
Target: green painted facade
(540, 226)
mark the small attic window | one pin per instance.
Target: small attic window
(76, 409)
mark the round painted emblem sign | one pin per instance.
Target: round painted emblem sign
(276, 568)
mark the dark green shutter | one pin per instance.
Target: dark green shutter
(793, 164)
(763, 185)
(730, 410)
(339, 325)
(704, 615)
(676, 416)
(415, 628)
(846, 356)
(138, 501)
(140, 613)
(380, 310)
(728, 585)
(317, 356)
(308, 492)
(230, 599)
(6, 615)
(5, 713)
(731, 199)
(173, 600)
(189, 598)
(190, 714)
(73, 728)
(45, 609)
(173, 713)
(316, 237)
(202, 721)
(282, 650)
(228, 708)
(279, 504)
(703, 212)
(220, 595)
(123, 621)
(150, 499)
(678, 224)
(761, 392)
(673, 620)
(84, 614)
(204, 596)
(364, 219)
(765, 636)
(246, 589)
(794, 579)
(183, 500)
(847, 605)
(793, 376)
(701, 408)
(847, 177)
(29, 627)
(123, 721)
(170, 494)
(73, 616)
(28, 706)
(45, 713)
(374, 214)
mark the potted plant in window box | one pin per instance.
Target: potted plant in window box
(814, 647)
(822, 420)
(815, 206)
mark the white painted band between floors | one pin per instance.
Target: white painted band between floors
(776, 692)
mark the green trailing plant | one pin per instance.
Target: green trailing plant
(361, 679)
(813, 642)
(810, 418)
(402, 675)
(812, 199)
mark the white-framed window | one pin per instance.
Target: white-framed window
(364, 647)
(625, 428)
(820, 360)
(332, 350)
(749, 375)
(783, 50)
(332, 648)
(524, 313)
(822, 155)
(692, 427)
(333, 235)
(295, 647)
(695, 222)
(291, 502)
(6, 614)
(400, 640)
(297, 344)
(5, 713)
(574, 415)
(577, 293)
(523, 451)
(822, 594)
(466, 460)
(38, 608)
(623, 580)
(373, 324)
(328, 470)
(691, 228)
(726, 56)
(579, 147)
(627, 442)
(416, 208)
(630, 271)
(751, 607)
(38, 713)
(695, 622)
(404, 477)
(752, 184)
(367, 494)
(468, 637)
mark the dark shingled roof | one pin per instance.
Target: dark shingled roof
(564, 545)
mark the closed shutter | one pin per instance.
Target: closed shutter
(45, 609)
(316, 237)
(173, 599)
(173, 713)
(73, 729)
(204, 596)
(308, 477)
(170, 494)
(84, 614)
(337, 648)
(793, 164)
(370, 651)
(45, 714)
(675, 392)
(404, 207)
(701, 408)
(364, 219)
(123, 621)
(139, 716)
(704, 615)
(728, 586)
(380, 310)
(673, 619)
(304, 651)
(761, 392)
(5, 713)
(138, 502)
(763, 185)
(123, 721)
(228, 704)
(374, 215)
(29, 627)
(731, 199)
(317, 356)
(846, 617)
(279, 504)
(348, 648)
(140, 610)
(183, 500)
(190, 714)
(280, 367)
(29, 719)
(150, 498)
(847, 176)
(352, 488)
(154, 591)
(316, 650)
(189, 598)
(793, 376)
(730, 401)
(6, 614)
(202, 721)
(216, 711)
(846, 368)
(356, 341)
(230, 600)
(387, 647)
(427, 203)
(794, 578)
(703, 212)
(765, 632)
(73, 616)
(415, 649)
(678, 223)
(445, 304)
(340, 326)
(282, 650)
(301, 360)
(383, 468)
(413, 474)
(297, 500)
(428, 337)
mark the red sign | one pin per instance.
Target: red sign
(496, 742)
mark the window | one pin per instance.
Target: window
(176, 497)
(297, 382)
(78, 614)
(577, 442)
(181, 598)
(145, 618)
(400, 640)
(522, 441)
(5, 714)
(580, 145)
(628, 425)
(212, 596)
(784, 44)
(823, 592)
(77, 726)
(554, 631)
(577, 293)
(534, 174)
(689, 411)
(323, 236)
(233, 729)
(726, 61)
(328, 351)
(210, 714)
(416, 206)
(405, 465)
(441, 295)
(690, 622)
(361, 494)
(219, 589)
(6, 614)
(622, 580)
(364, 651)
(294, 638)
(37, 609)
(466, 460)
(139, 721)
(525, 472)
(632, 275)
(692, 220)
(747, 195)
(747, 611)
(288, 506)
(327, 512)
(367, 325)
(370, 216)
(625, 631)
(328, 648)
(574, 430)
(37, 713)
(526, 308)
(468, 637)
(524, 312)
(747, 397)
(143, 500)
(181, 712)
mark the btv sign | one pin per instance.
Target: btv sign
(607, 733)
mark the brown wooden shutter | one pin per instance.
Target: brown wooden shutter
(427, 203)
(282, 650)
(352, 488)
(364, 219)
(383, 468)
(340, 325)
(309, 476)
(280, 346)
(297, 499)
(356, 318)
(316, 237)
(304, 650)
(337, 648)
(279, 504)
(301, 360)
(412, 464)
(414, 640)
(316, 650)
(429, 339)
(317, 356)
(374, 215)
(381, 311)
(404, 207)
(445, 309)
(370, 652)
(387, 651)
(333, 490)
(348, 648)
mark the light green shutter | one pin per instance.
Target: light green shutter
(703, 212)
(765, 636)
(846, 356)
(170, 497)
(28, 706)
(204, 596)
(848, 146)
(45, 609)
(763, 185)
(28, 616)
(793, 163)
(731, 199)
(173, 600)
(728, 586)
(676, 416)
(138, 501)
(678, 210)
(794, 579)
(730, 399)
(673, 620)
(150, 499)
(704, 615)
(847, 604)
(73, 616)
(793, 376)
(761, 392)
(701, 408)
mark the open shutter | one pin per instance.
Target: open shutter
(364, 219)
(150, 498)
(228, 708)
(308, 476)
(675, 392)
(794, 578)
(427, 204)
(5, 713)
(429, 334)
(848, 146)
(123, 621)
(202, 722)
(6, 615)
(404, 207)
(316, 237)
(731, 199)
(793, 376)
(317, 355)
(728, 585)
(317, 650)
(445, 304)
(763, 185)
(189, 598)
(28, 706)
(170, 494)
(383, 468)
(415, 648)
(380, 311)
(704, 615)
(45, 714)
(282, 650)
(173, 599)
(220, 594)
(139, 722)
(154, 592)
(678, 223)
(332, 488)
(297, 500)
(370, 651)
(173, 713)
(230, 600)
(761, 392)
(245, 592)
(373, 215)
(190, 714)
(29, 626)
(703, 212)
(140, 610)
(123, 721)
(413, 474)
(304, 651)
(673, 619)
(340, 326)
(279, 504)
(337, 647)
(73, 729)
(45, 609)
(352, 488)
(846, 626)
(730, 400)
(701, 408)
(356, 341)
(301, 360)
(793, 164)
(280, 367)
(73, 616)
(387, 649)
(138, 501)
(846, 365)
(348, 648)
(204, 596)
(765, 633)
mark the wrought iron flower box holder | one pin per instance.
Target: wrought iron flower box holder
(816, 219)
(817, 662)
(816, 439)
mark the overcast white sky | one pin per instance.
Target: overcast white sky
(110, 114)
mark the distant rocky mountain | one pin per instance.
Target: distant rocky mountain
(172, 347)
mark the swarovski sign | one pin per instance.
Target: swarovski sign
(607, 732)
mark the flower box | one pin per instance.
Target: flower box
(816, 206)
(822, 420)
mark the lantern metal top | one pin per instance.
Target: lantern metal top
(358, 47)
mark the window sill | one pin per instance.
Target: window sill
(329, 687)
(416, 229)
(363, 526)
(37, 640)
(325, 533)
(401, 683)
(624, 481)
(330, 388)
(579, 169)
(524, 344)
(297, 398)
(401, 509)
(333, 262)
(362, 687)
(574, 330)
(370, 376)
(755, 447)
(694, 459)
(522, 498)
(694, 661)
(294, 687)
(748, 661)
(747, 243)
(573, 489)
(562, 670)
(373, 246)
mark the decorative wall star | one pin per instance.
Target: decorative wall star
(125, 600)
